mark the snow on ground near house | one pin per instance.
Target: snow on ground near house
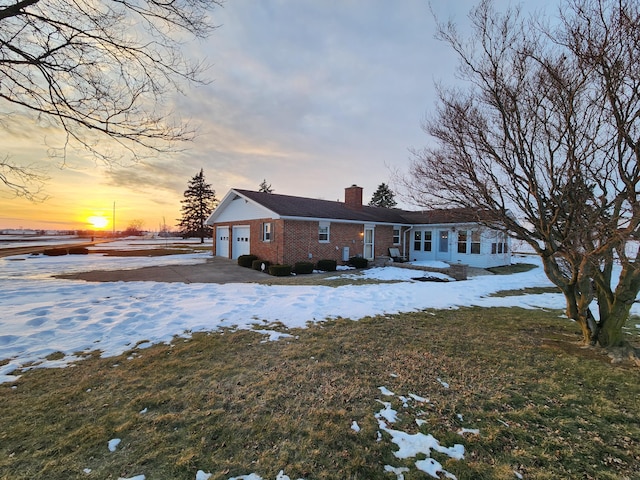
(8, 241)
(141, 243)
(42, 315)
(398, 273)
(128, 243)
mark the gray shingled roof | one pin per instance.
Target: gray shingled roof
(290, 206)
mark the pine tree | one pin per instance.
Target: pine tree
(199, 200)
(383, 197)
(265, 187)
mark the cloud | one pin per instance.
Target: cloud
(311, 96)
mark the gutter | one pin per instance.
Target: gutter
(404, 244)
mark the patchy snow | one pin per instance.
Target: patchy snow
(42, 316)
(443, 383)
(412, 445)
(391, 273)
(385, 391)
(113, 444)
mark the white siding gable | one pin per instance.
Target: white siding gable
(240, 209)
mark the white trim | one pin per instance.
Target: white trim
(327, 225)
(234, 195)
(340, 220)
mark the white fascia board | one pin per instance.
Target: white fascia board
(448, 225)
(254, 211)
(342, 220)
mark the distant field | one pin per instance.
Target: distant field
(129, 246)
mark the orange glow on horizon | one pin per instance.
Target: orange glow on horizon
(98, 221)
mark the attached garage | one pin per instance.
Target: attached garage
(241, 244)
(222, 242)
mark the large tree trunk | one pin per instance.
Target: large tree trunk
(609, 333)
(583, 318)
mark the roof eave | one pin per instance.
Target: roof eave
(343, 220)
(228, 198)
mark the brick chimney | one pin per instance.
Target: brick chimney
(353, 197)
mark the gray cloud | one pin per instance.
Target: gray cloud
(311, 95)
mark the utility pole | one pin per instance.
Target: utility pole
(114, 220)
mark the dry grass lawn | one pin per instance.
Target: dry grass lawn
(230, 403)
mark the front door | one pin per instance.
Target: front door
(443, 245)
(368, 243)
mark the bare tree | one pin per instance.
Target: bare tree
(135, 227)
(99, 70)
(545, 135)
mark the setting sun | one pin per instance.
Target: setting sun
(98, 222)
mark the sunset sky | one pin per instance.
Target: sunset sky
(312, 96)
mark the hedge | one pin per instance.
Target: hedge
(280, 270)
(303, 267)
(78, 251)
(246, 260)
(327, 265)
(257, 265)
(358, 262)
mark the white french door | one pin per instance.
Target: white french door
(368, 243)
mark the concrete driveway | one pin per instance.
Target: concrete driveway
(215, 270)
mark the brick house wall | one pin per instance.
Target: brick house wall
(384, 240)
(302, 244)
(267, 250)
(297, 241)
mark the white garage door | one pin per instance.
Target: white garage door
(222, 242)
(241, 242)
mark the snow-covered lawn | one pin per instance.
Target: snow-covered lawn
(41, 316)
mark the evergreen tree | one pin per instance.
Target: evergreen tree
(383, 197)
(265, 187)
(199, 200)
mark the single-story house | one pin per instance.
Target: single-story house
(284, 229)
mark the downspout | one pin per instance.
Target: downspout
(404, 244)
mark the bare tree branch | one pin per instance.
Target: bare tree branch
(23, 181)
(547, 138)
(102, 70)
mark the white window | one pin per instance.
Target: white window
(417, 240)
(266, 232)
(323, 232)
(427, 241)
(463, 235)
(475, 242)
(501, 245)
(396, 235)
